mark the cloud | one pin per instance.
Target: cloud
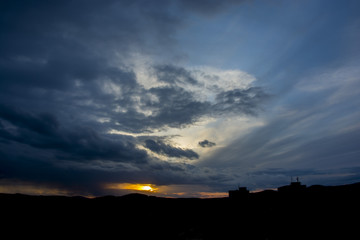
(175, 100)
(208, 7)
(44, 124)
(68, 79)
(98, 79)
(312, 141)
(44, 131)
(173, 74)
(240, 100)
(206, 143)
(168, 150)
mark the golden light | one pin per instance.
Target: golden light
(146, 188)
(133, 186)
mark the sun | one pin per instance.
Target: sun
(133, 186)
(146, 188)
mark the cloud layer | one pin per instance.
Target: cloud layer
(168, 150)
(107, 92)
(68, 80)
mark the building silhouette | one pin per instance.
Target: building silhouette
(294, 187)
(241, 192)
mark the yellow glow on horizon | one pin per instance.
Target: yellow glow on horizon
(133, 186)
(23, 187)
(168, 191)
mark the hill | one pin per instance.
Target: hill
(320, 212)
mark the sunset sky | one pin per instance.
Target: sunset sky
(177, 98)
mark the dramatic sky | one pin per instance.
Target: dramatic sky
(177, 97)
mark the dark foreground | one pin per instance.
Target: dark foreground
(317, 213)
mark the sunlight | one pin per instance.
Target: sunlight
(133, 186)
(146, 188)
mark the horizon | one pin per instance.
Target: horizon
(150, 193)
(180, 97)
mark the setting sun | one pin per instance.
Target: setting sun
(133, 186)
(146, 188)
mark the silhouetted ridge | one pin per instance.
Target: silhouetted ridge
(315, 212)
(135, 196)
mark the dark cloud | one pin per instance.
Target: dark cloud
(43, 131)
(44, 124)
(206, 143)
(173, 74)
(51, 44)
(62, 57)
(208, 7)
(177, 107)
(238, 101)
(166, 149)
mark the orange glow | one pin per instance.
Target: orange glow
(133, 186)
(169, 191)
(17, 186)
(212, 194)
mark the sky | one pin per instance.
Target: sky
(177, 98)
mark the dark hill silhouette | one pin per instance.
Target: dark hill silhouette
(319, 212)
